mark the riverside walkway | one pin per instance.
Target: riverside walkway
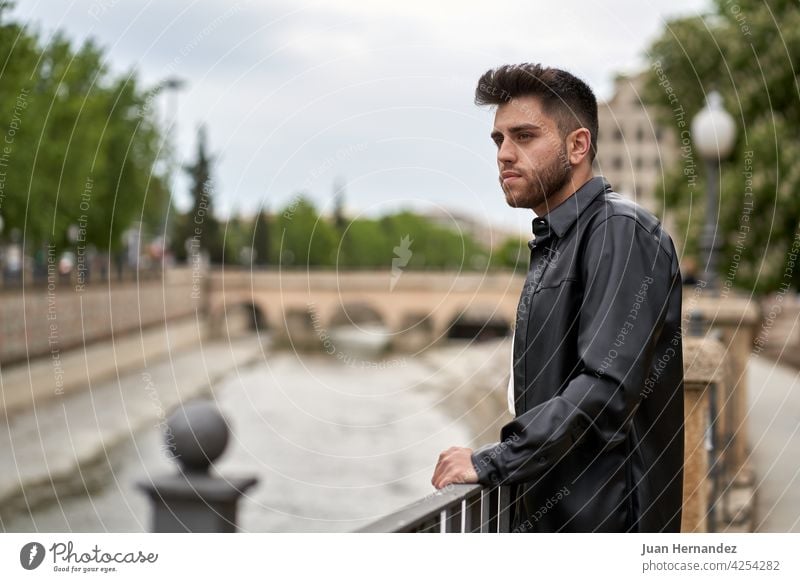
(774, 424)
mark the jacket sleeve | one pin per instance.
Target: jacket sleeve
(627, 277)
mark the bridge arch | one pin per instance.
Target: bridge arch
(357, 313)
(238, 316)
(478, 323)
(416, 332)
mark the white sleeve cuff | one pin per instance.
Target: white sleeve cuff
(511, 385)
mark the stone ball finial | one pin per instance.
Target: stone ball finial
(198, 434)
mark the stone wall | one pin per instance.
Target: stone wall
(48, 319)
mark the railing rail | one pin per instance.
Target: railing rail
(452, 509)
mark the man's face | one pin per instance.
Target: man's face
(531, 154)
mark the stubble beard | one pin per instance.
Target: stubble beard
(541, 186)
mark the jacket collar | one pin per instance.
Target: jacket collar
(559, 220)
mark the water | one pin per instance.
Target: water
(335, 443)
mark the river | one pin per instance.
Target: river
(334, 443)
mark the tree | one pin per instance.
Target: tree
(748, 51)
(434, 247)
(304, 239)
(339, 219)
(514, 253)
(364, 244)
(81, 148)
(19, 53)
(236, 241)
(260, 239)
(201, 230)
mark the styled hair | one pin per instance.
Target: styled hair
(564, 97)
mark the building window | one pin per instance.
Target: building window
(617, 164)
(639, 134)
(618, 135)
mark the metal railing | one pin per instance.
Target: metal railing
(452, 509)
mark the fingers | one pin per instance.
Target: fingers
(450, 476)
(441, 469)
(445, 472)
(436, 472)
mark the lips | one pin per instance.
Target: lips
(509, 176)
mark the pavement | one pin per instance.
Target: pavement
(24, 385)
(774, 424)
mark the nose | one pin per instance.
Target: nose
(506, 153)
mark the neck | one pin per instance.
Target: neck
(578, 178)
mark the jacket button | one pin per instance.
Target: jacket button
(542, 459)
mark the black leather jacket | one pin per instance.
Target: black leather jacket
(597, 441)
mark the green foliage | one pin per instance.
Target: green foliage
(748, 51)
(433, 246)
(304, 239)
(301, 238)
(260, 240)
(364, 244)
(513, 253)
(201, 227)
(78, 146)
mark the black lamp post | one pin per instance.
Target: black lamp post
(172, 85)
(713, 134)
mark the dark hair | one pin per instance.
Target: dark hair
(564, 97)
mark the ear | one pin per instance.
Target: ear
(579, 145)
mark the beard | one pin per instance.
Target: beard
(536, 187)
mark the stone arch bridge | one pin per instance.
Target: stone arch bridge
(415, 308)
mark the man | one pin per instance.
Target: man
(597, 440)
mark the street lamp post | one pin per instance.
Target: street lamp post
(172, 85)
(713, 134)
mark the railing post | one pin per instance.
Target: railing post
(504, 510)
(194, 500)
(703, 360)
(736, 318)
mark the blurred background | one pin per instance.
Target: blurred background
(291, 210)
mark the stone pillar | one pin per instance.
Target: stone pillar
(301, 328)
(413, 333)
(194, 499)
(736, 319)
(703, 360)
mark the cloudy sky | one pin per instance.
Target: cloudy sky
(378, 94)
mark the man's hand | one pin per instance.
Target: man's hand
(454, 466)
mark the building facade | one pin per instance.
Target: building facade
(632, 148)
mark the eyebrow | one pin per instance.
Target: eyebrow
(516, 129)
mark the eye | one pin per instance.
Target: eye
(524, 136)
(497, 141)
